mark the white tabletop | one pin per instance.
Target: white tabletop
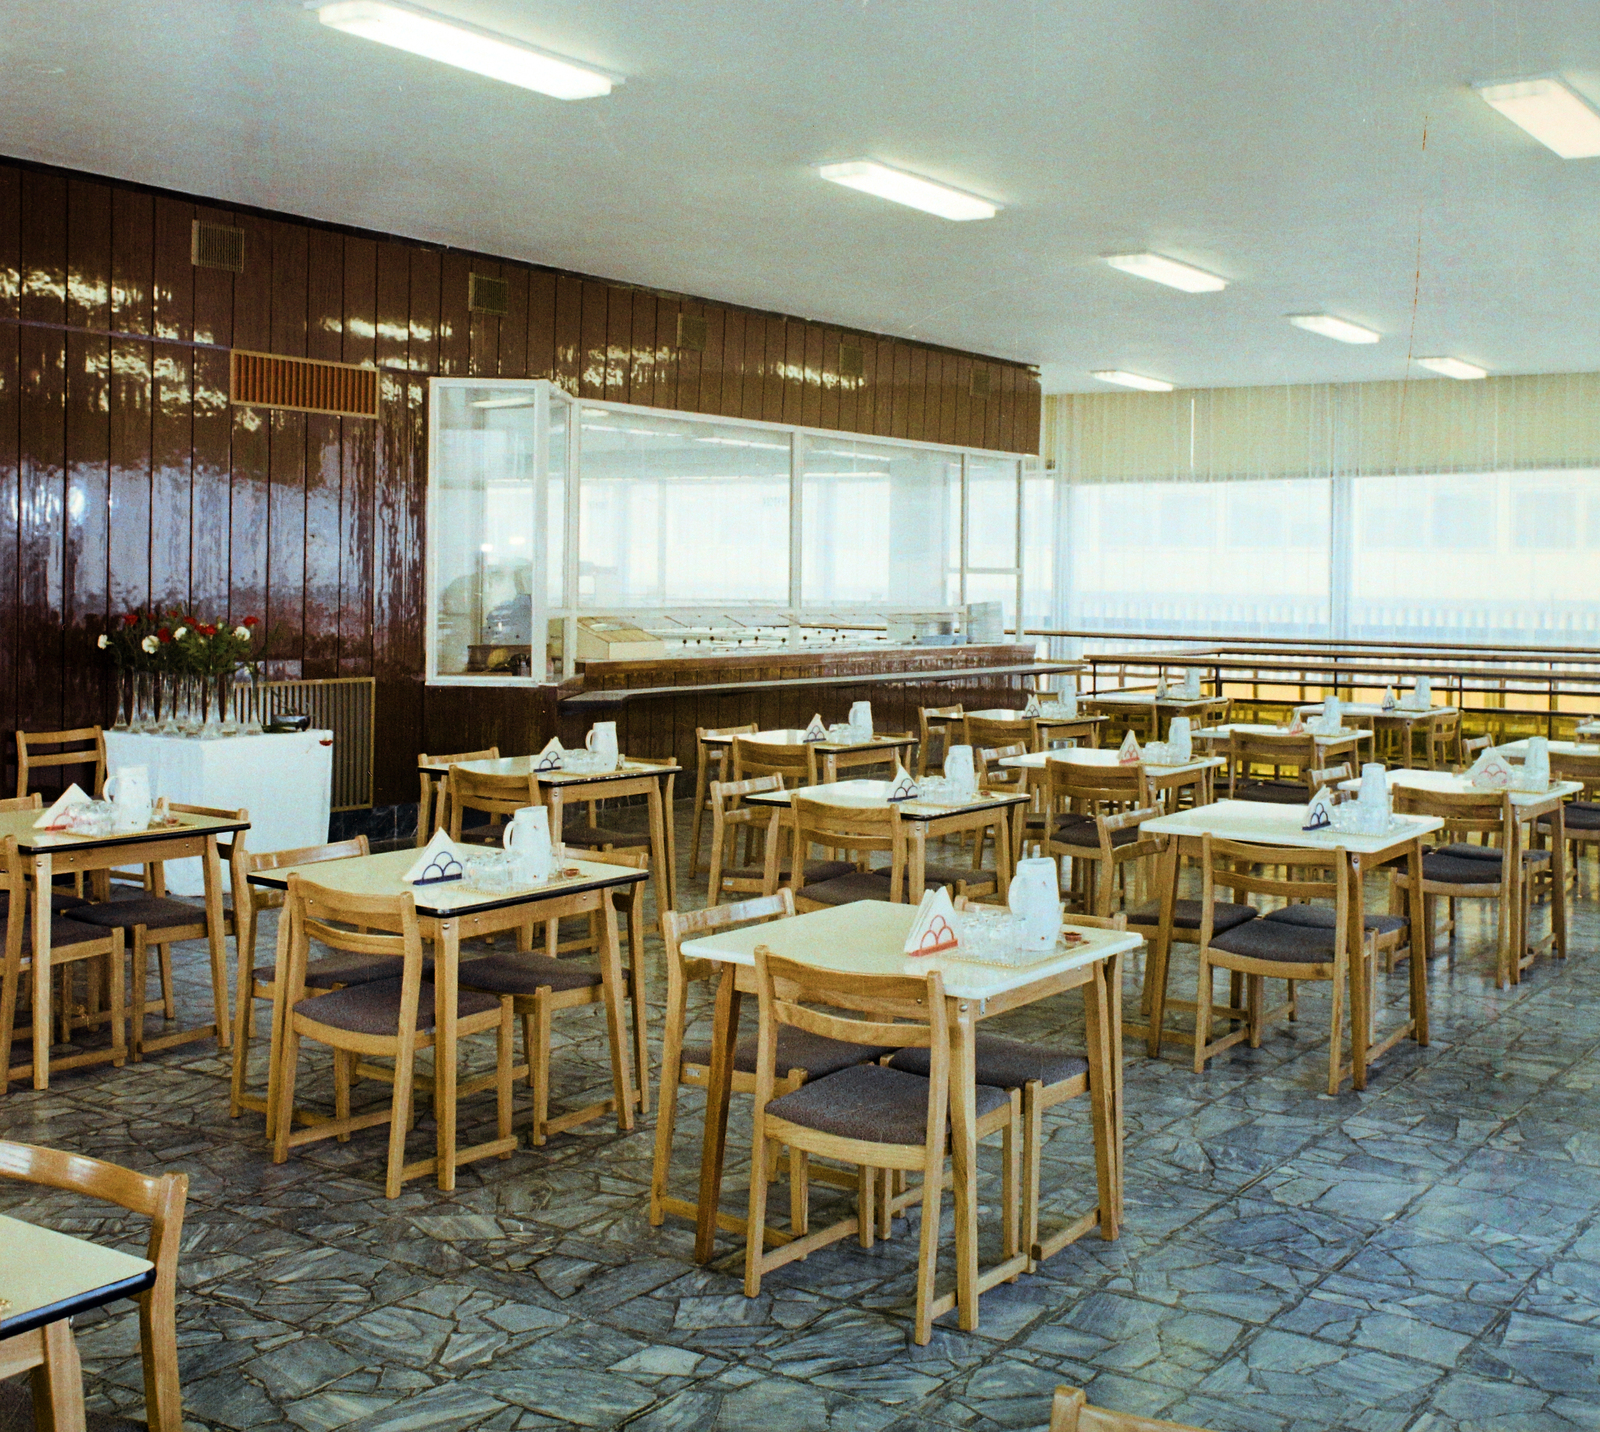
(875, 794)
(1251, 728)
(43, 1269)
(869, 936)
(1557, 748)
(794, 736)
(1087, 756)
(1263, 823)
(1148, 697)
(1589, 728)
(1452, 784)
(524, 766)
(1373, 709)
(1054, 718)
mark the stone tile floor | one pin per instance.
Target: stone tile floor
(1421, 1257)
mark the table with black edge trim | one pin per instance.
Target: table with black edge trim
(833, 756)
(1050, 728)
(447, 913)
(48, 853)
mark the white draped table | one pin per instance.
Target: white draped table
(284, 780)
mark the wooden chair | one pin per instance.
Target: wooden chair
(1471, 747)
(151, 918)
(1581, 817)
(1247, 749)
(795, 766)
(1329, 776)
(992, 776)
(259, 981)
(85, 746)
(60, 900)
(980, 732)
(1094, 814)
(388, 1018)
(161, 1200)
(931, 731)
(1071, 1412)
(539, 986)
(761, 828)
(1218, 711)
(876, 1118)
(1266, 948)
(1444, 741)
(703, 762)
(800, 1056)
(856, 831)
(430, 818)
(1045, 1078)
(72, 942)
(495, 796)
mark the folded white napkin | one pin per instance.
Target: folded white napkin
(903, 787)
(1032, 708)
(439, 860)
(50, 820)
(1319, 814)
(1388, 698)
(1297, 727)
(1128, 753)
(934, 929)
(550, 757)
(1491, 771)
(815, 730)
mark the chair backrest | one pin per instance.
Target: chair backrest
(491, 754)
(1308, 874)
(161, 1200)
(701, 732)
(1214, 713)
(1328, 776)
(19, 803)
(1570, 766)
(795, 765)
(1247, 749)
(924, 731)
(991, 772)
(1471, 747)
(1071, 1412)
(317, 913)
(264, 898)
(904, 1011)
(1486, 812)
(983, 731)
(1094, 790)
(680, 925)
(494, 795)
(230, 848)
(728, 813)
(851, 828)
(84, 746)
(1119, 921)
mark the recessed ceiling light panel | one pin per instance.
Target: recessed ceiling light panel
(1548, 110)
(1454, 367)
(466, 46)
(1330, 327)
(1131, 380)
(912, 190)
(1158, 269)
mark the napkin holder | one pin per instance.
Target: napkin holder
(550, 757)
(1388, 703)
(933, 931)
(1297, 727)
(1492, 772)
(1032, 708)
(815, 730)
(1319, 814)
(1128, 753)
(438, 863)
(903, 787)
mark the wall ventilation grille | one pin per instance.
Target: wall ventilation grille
(216, 246)
(488, 295)
(303, 385)
(850, 361)
(982, 382)
(692, 332)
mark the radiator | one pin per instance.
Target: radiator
(343, 705)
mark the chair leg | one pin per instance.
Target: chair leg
(928, 1248)
(399, 1116)
(1256, 1003)
(282, 1117)
(799, 1192)
(1336, 1035)
(141, 978)
(541, 1065)
(755, 1242)
(528, 1047)
(667, 1107)
(866, 1203)
(1032, 1150)
(1011, 1162)
(342, 1061)
(119, 1011)
(1202, 1014)
(169, 1007)
(503, 1053)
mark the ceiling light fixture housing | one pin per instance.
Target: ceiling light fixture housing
(912, 190)
(1549, 110)
(1131, 380)
(467, 47)
(1330, 327)
(1454, 368)
(1159, 269)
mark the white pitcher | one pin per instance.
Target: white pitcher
(959, 770)
(129, 792)
(527, 842)
(1180, 736)
(861, 718)
(1035, 901)
(602, 740)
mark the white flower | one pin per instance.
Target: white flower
(179, 634)
(151, 644)
(104, 641)
(241, 633)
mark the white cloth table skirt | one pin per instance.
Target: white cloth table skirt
(285, 781)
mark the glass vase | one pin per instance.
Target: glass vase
(144, 702)
(228, 703)
(124, 721)
(191, 709)
(209, 688)
(167, 704)
(250, 701)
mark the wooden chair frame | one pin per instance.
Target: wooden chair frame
(429, 817)
(493, 795)
(899, 1011)
(981, 732)
(1257, 748)
(96, 756)
(703, 760)
(1444, 741)
(159, 1199)
(1569, 766)
(855, 830)
(1110, 795)
(759, 825)
(1070, 1412)
(794, 765)
(929, 731)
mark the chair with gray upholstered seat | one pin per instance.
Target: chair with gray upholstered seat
(1088, 809)
(1186, 921)
(856, 833)
(433, 804)
(760, 829)
(1249, 749)
(1581, 817)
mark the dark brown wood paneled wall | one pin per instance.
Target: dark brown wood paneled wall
(127, 478)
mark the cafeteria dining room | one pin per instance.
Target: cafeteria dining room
(799, 716)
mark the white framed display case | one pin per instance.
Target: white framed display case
(561, 529)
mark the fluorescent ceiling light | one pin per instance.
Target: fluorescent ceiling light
(502, 402)
(1168, 271)
(466, 46)
(899, 187)
(1131, 380)
(1330, 327)
(1454, 367)
(1550, 112)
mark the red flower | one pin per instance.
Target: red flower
(130, 619)
(252, 621)
(206, 629)
(165, 634)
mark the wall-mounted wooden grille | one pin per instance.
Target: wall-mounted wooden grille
(982, 382)
(850, 361)
(488, 295)
(343, 705)
(216, 246)
(692, 332)
(303, 385)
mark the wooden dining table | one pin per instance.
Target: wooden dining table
(1196, 775)
(1140, 699)
(47, 1278)
(653, 780)
(868, 937)
(448, 913)
(46, 854)
(1083, 725)
(1348, 740)
(1403, 721)
(1264, 823)
(851, 753)
(927, 820)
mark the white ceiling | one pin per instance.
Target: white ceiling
(1276, 142)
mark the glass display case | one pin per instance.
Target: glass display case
(562, 530)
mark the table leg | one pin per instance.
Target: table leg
(1558, 879)
(719, 1082)
(58, 1381)
(1419, 960)
(700, 791)
(616, 1025)
(658, 852)
(280, 1016)
(219, 957)
(43, 975)
(552, 928)
(1008, 831)
(1360, 1011)
(447, 965)
(964, 1158)
(1105, 1065)
(916, 875)
(1155, 965)
(672, 846)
